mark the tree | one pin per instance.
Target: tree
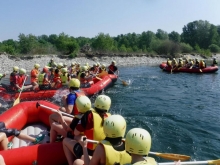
(53, 39)
(174, 36)
(66, 44)
(146, 39)
(103, 42)
(27, 43)
(197, 32)
(162, 35)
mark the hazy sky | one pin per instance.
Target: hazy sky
(89, 17)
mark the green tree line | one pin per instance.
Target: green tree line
(196, 37)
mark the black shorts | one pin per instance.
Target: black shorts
(8, 132)
(78, 150)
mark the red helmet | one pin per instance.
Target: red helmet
(45, 70)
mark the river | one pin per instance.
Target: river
(180, 110)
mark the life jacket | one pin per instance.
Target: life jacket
(64, 78)
(56, 77)
(174, 62)
(201, 64)
(41, 78)
(147, 161)
(102, 74)
(111, 68)
(113, 156)
(169, 63)
(34, 75)
(13, 78)
(97, 132)
(180, 64)
(82, 80)
(20, 80)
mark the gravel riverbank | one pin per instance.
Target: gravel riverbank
(7, 62)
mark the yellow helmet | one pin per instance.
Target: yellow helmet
(64, 70)
(83, 104)
(15, 68)
(60, 65)
(74, 83)
(37, 66)
(97, 64)
(103, 102)
(103, 67)
(22, 71)
(114, 126)
(73, 63)
(83, 68)
(138, 141)
(114, 62)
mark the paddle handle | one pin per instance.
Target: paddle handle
(186, 163)
(54, 110)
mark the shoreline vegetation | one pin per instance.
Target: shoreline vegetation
(197, 37)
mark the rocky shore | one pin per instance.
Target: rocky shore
(27, 62)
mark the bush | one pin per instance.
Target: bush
(73, 55)
(185, 48)
(214, 48)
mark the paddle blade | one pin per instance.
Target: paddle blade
(174, 157)
(124, 83)
(17, 101)
(214, 162)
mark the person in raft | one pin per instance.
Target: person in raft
(34, 76)
(13, 78)
(21, 80)
(91, 125)
(67, 124)
(138, 144)
(43, 79)
(68, 101)
(7, 132)
(214, 62)
(52, 64)
(113, 68)
(111, 150)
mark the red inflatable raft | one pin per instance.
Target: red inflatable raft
(27, 116)
(209, 69)
(97, 87)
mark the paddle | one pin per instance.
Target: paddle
(123, 82)
(193, 162)
(18, 99)
(52, 109)
(167, 156)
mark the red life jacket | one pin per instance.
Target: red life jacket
(111, 68)
(13, 78)
(56, 77)
(20, 80)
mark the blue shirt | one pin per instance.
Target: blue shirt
(71, 98)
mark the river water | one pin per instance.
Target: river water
(180, 110)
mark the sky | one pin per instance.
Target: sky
(88, 18)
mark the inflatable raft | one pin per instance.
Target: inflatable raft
(32, 120)
(97, 87)
(209, 69)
